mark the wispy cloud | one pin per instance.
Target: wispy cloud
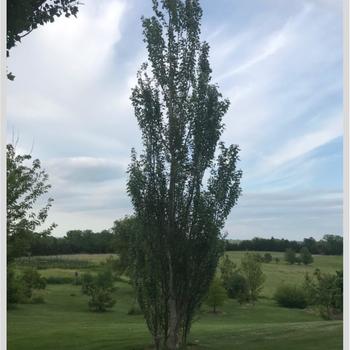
(300, 145)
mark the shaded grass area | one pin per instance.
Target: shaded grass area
(65, 322)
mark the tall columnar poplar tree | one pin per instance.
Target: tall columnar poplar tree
(185, 182)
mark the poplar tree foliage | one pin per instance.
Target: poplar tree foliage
(185, 182)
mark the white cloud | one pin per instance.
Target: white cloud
(303, 144)
(85, 169)
(83, 45)
(275, 43)
(268, 46)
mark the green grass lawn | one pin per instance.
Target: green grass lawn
(65, 322)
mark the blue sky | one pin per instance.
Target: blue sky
(279, 63)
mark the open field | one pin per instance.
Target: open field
(64, 321)
(277, 274)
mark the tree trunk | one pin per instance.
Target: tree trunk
(173, 330)
(172, 341)
(157, 342)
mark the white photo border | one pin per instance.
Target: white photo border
(3, 258)
(346, 172)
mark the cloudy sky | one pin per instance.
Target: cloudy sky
(279, 63)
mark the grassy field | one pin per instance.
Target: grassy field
(280, 273)
(64, 321)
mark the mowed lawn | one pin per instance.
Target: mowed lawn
(65, 322)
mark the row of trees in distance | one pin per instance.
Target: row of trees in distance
(328, 245)
(87, 241)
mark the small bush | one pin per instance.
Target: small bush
(100, 289)
(33, 279)
(291, 297)
(237, 288)
(101, 299)
(325, 292)
(252, 271)
(87, 282)
(257, 256)
(105, 279)
(290, 256)
(267, 258)
(305, 256)
(216, 295)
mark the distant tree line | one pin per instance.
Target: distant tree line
(108, 241)
(328, 245)
(74, 242)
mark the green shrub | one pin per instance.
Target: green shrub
(216, 294)
(33, 279)
(290, 256)
(267, 258)
(257, 256)
(305, 256)
(101, 299)
(105, 279)
(291, 297)
(87, 283)
(100, 289)
(325, 292)
(252, 271)
(237, 288)
(20, 286)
